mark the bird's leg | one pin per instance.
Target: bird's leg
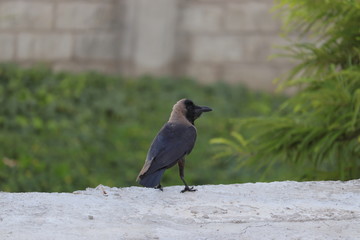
(159, 187)
(181, 164)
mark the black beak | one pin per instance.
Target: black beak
(203, 109)
(200, 109)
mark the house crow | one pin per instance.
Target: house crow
(174, 141)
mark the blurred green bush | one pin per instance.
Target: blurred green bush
(316, 132)
(62, 131)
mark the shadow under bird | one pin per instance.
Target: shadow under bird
(174, 141)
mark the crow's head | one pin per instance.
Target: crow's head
(189, 110)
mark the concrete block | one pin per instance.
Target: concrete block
(52, 46)
(203, 18)
(26, 14)
(202, 72)
(7, 47)
(128, 10)
(255, 76)
(154, 31)
(85, 15)
(251, 16)
(217, 49)
(81, 66)
(258, 48)
(97, 46)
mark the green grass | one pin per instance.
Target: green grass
(64, 131)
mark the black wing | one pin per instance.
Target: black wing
(173, 142)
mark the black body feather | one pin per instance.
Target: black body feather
(171, 144)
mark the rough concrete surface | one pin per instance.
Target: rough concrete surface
(277, 210)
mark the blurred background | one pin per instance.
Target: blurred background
(206, 40)
(85, 86)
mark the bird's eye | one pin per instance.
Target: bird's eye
(189, 103)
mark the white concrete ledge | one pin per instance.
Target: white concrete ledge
(277, 210)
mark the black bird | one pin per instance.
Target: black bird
(175, 140)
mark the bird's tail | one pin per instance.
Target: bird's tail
(151, 180)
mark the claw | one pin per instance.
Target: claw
(159, 187)
(188, 189)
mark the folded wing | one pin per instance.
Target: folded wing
(172, 143)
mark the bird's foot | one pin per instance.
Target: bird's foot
(188, 189)
(159, 187)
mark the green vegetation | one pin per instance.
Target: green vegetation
(317, 131)
(62, 131)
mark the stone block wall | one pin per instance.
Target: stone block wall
(210, 40)
(66, 34)
(232, 40)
